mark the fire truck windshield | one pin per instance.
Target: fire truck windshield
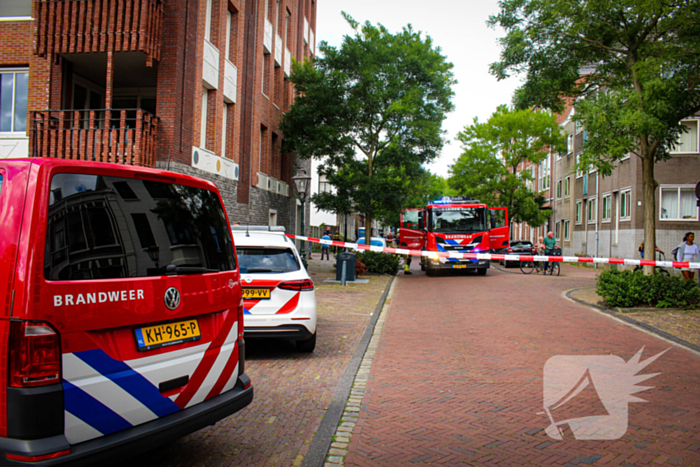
(465, 220)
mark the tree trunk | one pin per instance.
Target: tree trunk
(649, 205)
(368, 227)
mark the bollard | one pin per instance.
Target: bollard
(342, 277)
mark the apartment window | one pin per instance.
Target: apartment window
(678, 203)
(607, 208)
(207, 21)
(203, 129)
(16, 8)
(567, 230)
(544, 174)
(567, 187)
(559, 188)
(557, 230)
(688, 140)
(592, 210)
(579, 172)
(625, 205)
(224, 130)
(13, 100)
(579, 206)
(324, 185)
(569, 144)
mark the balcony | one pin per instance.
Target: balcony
(287, 62)
(267, 41)
(210, 66)
(230, 82)
(124, 136)
(279, 50)
(78, 26)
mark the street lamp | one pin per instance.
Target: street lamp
(301, 183)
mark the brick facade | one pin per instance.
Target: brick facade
(161, 68)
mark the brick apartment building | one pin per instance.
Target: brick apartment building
(196, 86)
(603, 216)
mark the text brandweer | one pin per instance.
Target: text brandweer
(98, 297)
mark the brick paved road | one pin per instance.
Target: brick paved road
(292, 390)
(457, 378)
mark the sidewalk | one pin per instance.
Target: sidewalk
(680, 326)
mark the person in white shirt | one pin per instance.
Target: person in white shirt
(688, 251)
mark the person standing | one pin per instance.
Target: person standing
(324, 247)
(688, 251)
(549, 245)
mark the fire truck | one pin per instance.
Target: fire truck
(454, 224)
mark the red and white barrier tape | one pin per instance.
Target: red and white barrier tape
(499, 257)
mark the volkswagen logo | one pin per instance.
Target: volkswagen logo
(172, 298)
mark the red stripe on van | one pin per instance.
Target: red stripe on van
(225, 373)
(207, 362)
(290, 306)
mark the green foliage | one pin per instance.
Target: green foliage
(631, 69)
(487, 170)
(379, 263)
(372, 111)
(626, 289)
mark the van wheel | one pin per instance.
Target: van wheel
(307, 345)
(481, 272)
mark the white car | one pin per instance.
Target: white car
(278, 295)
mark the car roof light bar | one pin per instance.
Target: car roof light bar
(258, 228)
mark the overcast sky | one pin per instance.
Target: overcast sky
(459, 28)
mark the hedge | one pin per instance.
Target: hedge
(627, 289)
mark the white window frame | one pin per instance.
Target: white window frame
(567, 187)
(324, 186)
(678, 188)
(559, 186)
(592, 211)
(579, 174)
(578, 212)
(557, 230)
(203, 123)
(569, 143)
(606, 208)
(15, 72)
(567, 230)
(627, 210)
(676, 149)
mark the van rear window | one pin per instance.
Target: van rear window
(109, 227)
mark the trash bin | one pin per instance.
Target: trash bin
(349, 260)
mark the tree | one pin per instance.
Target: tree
(493, 153)
(633, 68)
(372, 111)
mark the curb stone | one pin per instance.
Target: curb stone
(617, 313)
(319, 454)
(347, 422)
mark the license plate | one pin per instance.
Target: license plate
(162, 335)
(459, 266)
(256, 294)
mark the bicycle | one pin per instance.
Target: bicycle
(553, 268)
(528, 266)
(661, 256)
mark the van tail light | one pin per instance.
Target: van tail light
(240, 312)
(241, 340)
(297, 286)
(35, 355)
(44, 457)
(509, 250)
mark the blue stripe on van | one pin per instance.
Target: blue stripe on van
(91, 411)
(246, 311)
(129, 380)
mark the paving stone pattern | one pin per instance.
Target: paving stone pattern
(292, 390)
(457, 378)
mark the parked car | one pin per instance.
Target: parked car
(517, 247)
(373, 241)
(278, 293)
(122, 329)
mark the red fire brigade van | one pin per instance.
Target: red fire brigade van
(457, 224)
(121, 316)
